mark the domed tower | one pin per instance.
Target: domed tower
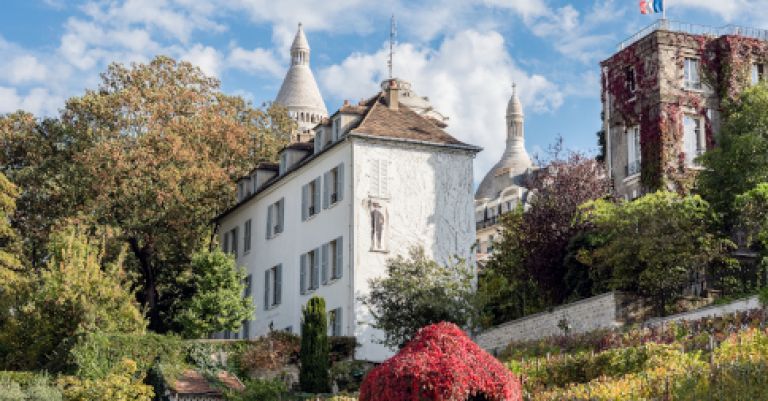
(515, 162)
(299, 92)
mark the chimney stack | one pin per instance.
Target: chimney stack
(393, 95)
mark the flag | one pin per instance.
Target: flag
(644, 6)
(658, 6)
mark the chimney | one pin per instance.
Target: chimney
(346, 102)
(393, 95)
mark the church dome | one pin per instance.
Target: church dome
(515, 163)
(299, 92)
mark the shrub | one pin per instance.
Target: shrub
(348, 375)
(124, 383)
(98, 354)
(440, 363)
(31, 387)
(260, 390)
(272, 352)
(314, 377)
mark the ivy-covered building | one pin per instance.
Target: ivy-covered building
(663, 93)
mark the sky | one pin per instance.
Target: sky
(463, 55)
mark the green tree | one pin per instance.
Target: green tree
(416, 292)
(10, 247)
(314, 376)
(740, 161)
(218, 303)
(505, 290)
(72, 295)
(654, 244)
(153, 153)
(753, 222)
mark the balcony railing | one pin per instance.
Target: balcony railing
(695, 29)
(487, 223)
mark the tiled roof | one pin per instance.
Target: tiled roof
(403, 123)
(192, 382)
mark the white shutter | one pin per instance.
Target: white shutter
(325, 257)
(304, 202)
(316, 195)
(269, 221)
(280, 215)
(278, 284)
(339, 267)
(340, 182)
(266, 289)
(326, 189)
(316, 269)
(303, 274)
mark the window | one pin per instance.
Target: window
(247, 236)
(336, 128)
(333, 189)
(233, 241)
(758, 73)
(489, 250)
(275, 218)
(225, 242)
(379, 178)
(332, 261)
(309, 271)
(283, 163)
(691, 78)
(629, 76)
(334, 322)
(273, 282)
(310, 199)
(693, 138)
(633, 151)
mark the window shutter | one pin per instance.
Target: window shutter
(316, 195)
(304, 202)
(339, 268)
(303, 274)
(279, 284)
(324, 255)
(266, 289)
(225, 242)
(269, 221)
(337, 322)
(326, 189)
(234, 241)
(318, 142)
(316, 269)
(340, 182)
(247, 236)
(280, 214)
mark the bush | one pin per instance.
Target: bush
(313, 376)
(272, 352)
(30, 387)
(124, 383)
(348, 375)
(98, 354)
(342, 347)
(259, 390)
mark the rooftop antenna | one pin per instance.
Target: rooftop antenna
(392, 39)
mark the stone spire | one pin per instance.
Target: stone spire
(299, 92)
(515, 161)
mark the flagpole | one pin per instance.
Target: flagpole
(663, 11)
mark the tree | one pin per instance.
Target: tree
(314, 376)
(654, 244)
(218, 303)
(740, 161)
(753, 220)
(72, 295)
(153, 153)
(505, 289)
(10, 248)
(416, 292)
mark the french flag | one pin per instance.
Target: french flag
(651, 6)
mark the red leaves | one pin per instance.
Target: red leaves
(441, 363)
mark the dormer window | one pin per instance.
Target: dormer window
(283, 163)
(337, 128)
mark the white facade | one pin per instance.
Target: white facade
(396, 193)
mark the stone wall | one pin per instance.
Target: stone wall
(604, 311)
(740, 305)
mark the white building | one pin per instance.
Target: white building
(377, 179)
(504, 186)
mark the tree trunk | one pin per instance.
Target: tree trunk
(148, 296)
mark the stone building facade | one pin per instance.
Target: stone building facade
(504, 186)
(376, 179)
(663, 94)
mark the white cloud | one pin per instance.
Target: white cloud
(39, 101)
(205, 57)
(24, 69)
(468, 78)
(255, 61)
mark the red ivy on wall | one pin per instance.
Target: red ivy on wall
(442, 364)
(725, 63)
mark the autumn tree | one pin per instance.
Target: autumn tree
(740, 161)
(153, 152)
(10, 248)
(417, 291)
(218, 302)
(653, 245)
(73, 294)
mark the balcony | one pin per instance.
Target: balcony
(489, 222)
(695, 29)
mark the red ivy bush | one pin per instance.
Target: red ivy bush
(442, 364)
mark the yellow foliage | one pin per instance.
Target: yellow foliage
(124, 384)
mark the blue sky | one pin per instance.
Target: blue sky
(462, 54)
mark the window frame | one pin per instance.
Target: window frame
(247, 236)
(688, 83)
